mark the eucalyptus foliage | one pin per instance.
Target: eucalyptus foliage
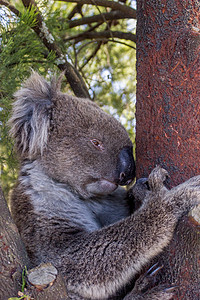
(109, 72)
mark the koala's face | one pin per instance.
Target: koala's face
(74, 140)
(87, 148)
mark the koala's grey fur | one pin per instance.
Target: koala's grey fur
(64, 203)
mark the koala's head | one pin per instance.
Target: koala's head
(74, 141)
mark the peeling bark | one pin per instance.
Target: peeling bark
(46, 284)
(13, 257)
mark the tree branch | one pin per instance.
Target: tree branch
(106, 3)
(74, 78)
(119, 42)
(66, 38)
(11, 7)
(103, 34)
(113, 15)
(76, 9)
(92, 55)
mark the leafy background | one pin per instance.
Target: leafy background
(107, 65)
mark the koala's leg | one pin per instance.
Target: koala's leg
(183, 195)
(157, 293)
(144, 287)
(97, 264)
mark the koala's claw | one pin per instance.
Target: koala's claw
(148, 279)
(157, 177)
(152, 271)
(171, 289)
(146, 289)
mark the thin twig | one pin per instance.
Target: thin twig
(11, 7)
(125, 44)
(75, 55)
(107, 3)
(104, 34)
(65, 39)
(85, 45)
(113, 15)
(106, 21)
(92, 55)
(76, 9)
(74, 78)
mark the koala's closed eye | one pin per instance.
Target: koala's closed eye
(97, 144)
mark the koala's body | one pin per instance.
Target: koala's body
(68, 204)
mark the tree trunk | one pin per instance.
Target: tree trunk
(167, 118)
(168, 88)
(13, 256)
(13, 259)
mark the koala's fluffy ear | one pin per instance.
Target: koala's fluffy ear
(30, 120)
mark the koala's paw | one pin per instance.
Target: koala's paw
(156, 178)
(137, 193)
(160, 292)
(186, 195)
(147, 280)
(145, 288)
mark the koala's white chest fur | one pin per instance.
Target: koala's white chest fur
(50, 199)
(74, 155)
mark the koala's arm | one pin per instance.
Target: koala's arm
(120, 204)
(99, 263)
(112, 208)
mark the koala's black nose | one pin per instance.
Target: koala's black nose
(125, 166)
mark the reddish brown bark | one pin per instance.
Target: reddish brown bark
(168, 119)
(168, 88)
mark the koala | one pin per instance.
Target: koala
(69, 203)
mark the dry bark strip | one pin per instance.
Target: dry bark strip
(13, 256)
(44, 283)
